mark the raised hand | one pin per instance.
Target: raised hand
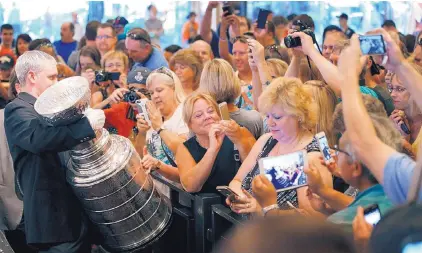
(264, 191)
(216, 136)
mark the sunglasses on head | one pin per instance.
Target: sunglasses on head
(137, 36)
(165, 71)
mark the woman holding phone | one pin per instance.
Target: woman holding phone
(220, 81)
(291, 120)
(214, 154)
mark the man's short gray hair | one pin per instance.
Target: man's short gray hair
(386, 132)
(34, 61)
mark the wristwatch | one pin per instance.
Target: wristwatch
(266, 209)
(160, 129)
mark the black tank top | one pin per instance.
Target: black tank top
(225, 166)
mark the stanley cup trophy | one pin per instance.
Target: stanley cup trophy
(105, 173)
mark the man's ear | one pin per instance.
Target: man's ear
(31, 77)
(357, 170)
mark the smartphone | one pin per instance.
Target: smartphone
(262, 18)
(291, 205)
(372, 214)
(405, 128)
(324, 147)
(227, 9)
(412, 244)
(285, 172)
(226, 191)
(141, 105)
(372, 44)
(224, 111)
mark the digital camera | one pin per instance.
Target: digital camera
(103, 76)
(131, 96)
(291, 42)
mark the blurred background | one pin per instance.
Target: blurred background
(44, 18)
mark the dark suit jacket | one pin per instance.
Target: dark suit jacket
(52, 212)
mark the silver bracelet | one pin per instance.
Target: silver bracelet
(266, 209)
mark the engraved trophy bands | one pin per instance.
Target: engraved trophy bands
(106, 175)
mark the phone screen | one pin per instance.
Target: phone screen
(415, 247)
(228, 10)
(324, 147)
(373, 217)
(285, 172)
(372, 44)
(224, 111)
(262, 18)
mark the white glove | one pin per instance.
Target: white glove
(96, 118)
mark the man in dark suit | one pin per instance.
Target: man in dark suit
(54, 220)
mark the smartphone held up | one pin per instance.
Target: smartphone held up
(372, 44)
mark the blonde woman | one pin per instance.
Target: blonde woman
(325, 100)
(113, 61)
(277, 67)
(158, 142)
(220, 81)
(291, 119)
(188, 66)
(214, 154)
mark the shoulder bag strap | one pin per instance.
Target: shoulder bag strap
(167, 155)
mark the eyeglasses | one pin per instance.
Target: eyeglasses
(100, 37)
(137, 36)
(397, 89)
(337, 151)
(165, 71)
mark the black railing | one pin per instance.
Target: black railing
(205, 218)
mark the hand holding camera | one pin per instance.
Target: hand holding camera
(117, 95)
(296, 39)
(301, 41)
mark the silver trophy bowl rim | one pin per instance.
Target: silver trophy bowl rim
(46, 108)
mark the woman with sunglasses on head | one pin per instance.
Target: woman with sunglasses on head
(45, 46)
(158, 139)
(407, 115)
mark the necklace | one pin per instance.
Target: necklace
(298, 143)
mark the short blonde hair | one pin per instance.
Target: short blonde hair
(190, 58)
(289, 95)
(280, 67)
(326, 101)
(190, 102)
(115, 54)
(169, 78)
(219, 80)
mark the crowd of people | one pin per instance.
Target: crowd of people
(278, 100)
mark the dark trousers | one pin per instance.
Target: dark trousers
(17, 239)
(81, 245)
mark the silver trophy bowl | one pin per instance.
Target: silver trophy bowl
(106, 175)
(65, 102)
